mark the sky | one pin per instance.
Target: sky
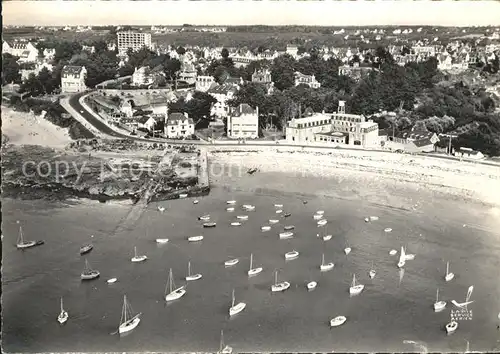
(321, 13)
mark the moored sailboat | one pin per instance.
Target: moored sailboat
(355, 289)
(402, 258)
(89, 273)
(137, 258)
(190, 276)
(173, 292)
(281, 286)
(63, 316)
(439, 305)
(448, 276)
(224, 349)
(253, 271)
(128, 321)
(372, 272)
(21, 243)
(325, 267)
(236, 308)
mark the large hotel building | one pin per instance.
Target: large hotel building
(134, 40)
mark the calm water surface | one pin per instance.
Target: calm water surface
(392, 308)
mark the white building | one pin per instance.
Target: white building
(304, 129)
(133, 40)
(179, 125)
(73, 78)
(468, 153)
(308, 80)
(292, 50)
(203, 83)
(243, 122)
(142, 76)
(222, 93)
(25, 50)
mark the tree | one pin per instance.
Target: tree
(32, 86)
(282, 72)
(181, 50)
(224, 53)
(253, 94)
(10, 69)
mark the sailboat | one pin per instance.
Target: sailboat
(137, 258)
(325, 267)
(192, 276)
(449, 276)
(355, 288)
(439, 305)
(63, 316)
(325, 236)
(467, 298)
(128, 322)
(467, 348)
(402, 258)
(21, 243)
(224, 349)
(372, 272)
(234, 309)
(174, 293)
(347, 250)
(282, 286)
(89, 273)
(253, 271)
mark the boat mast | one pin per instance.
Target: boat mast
(221, 340)
(276, 278)
(232, 304)
(170, 280)
(353, 280)
(437, 295)
(189, 268)
(124, 310)
(135, 252)
(447, 267)
(323, 259)
(251, 260)
(62, 309)
(21, 238)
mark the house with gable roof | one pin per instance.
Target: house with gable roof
(222, 93)
(25, 50)
(73, 78)
(179, 125)
(243, 122)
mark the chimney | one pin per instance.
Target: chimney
(257, 110)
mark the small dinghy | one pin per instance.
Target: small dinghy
(388, 229)
(265, 228)
(231, 202)
(63, 315)
(337, 321)
(191, 277)
(111, 281)
(230, 209)
(183, 195)
(86, 249)
(393, 252)
(161, 209)
(195, 238)
(451, 327)
(367, 220)
(273, 221)
(285, 235)
(210, 224)
(373, 218)
(325, 266)
(281, 286)
(322, 222)
(291, 255)
(311, 285)
(236, 223)
(253, 271)
(242, 217)
(204, 217)
(279, 211)
(278, 205)
(320, 212)
(231, 262)
(236, 308)
(289, 227)
(355, 289)
(439, 305)
(347, 250)
(162, 240)
(449, 276)
(248, 207)
(286, 215)
(317, 217)
(137, 258)
(196, 201)
(327, 237)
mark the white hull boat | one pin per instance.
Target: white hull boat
(373, 218)
(183, 195)
(277, 287)
(372, 273)
(242, 217)
(111, 281)
(231, 202)
(402, 258)
(230, 209)
(388, 229)
(273, 221)
(285, 235)
(291, 255)
(173, 292)
(337, 321)
(236, 223)
(347, 250)
(451, 327)
(209, 224)
(317, 217)
(253, 271)
(204, 218)
(289, 227)
(21, 243)
(236, 308)
(137, 258)
(127, 321)
(63, 316)
(231, 262)
(196, 201)
(249, 207)
(192, 277)
(278, 205)
(89, 273)
(439, 305)
(393, 252)
(325, 266)
(161, 209)
(322, 222)
(311, 285)
(279, 211)
(327, 237)
(320, 212)
(449, 276)
(265, 228)
(355, 289)
(195, 238)
(162, 240)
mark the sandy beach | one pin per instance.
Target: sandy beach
(375, 176)
(27, 129)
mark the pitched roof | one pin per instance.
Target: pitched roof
(175, 118)
(422, 142)
(243, 108)
(415, 134)
(72, 70)
(221, 89)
